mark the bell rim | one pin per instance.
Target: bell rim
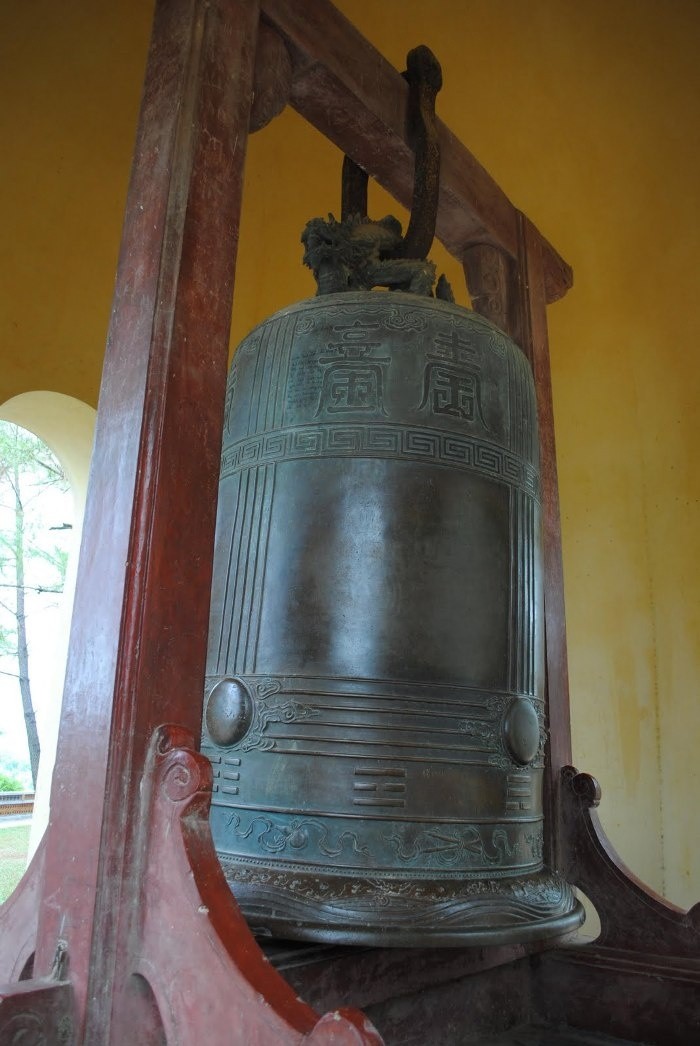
(379, 937)
(456, 915)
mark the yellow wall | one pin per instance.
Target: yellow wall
(587, 115)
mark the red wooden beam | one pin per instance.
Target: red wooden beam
(356, 98)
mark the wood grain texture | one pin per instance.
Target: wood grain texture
(603, 993)
(328, 977)
(458, 1012)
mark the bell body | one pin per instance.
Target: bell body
(375, 713)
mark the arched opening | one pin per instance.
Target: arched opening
(66, 426)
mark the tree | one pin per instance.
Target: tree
(28, 564)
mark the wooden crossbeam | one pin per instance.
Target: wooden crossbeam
(354, 96)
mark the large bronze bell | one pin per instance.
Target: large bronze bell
(374, 711)
(374, 714)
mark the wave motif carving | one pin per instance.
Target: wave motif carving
(420, 902)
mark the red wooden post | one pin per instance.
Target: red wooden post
(140, 620)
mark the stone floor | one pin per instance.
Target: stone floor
(532, 1035)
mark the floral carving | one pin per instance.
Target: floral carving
(535, 842)
(265, 688)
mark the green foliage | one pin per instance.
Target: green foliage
(10, 784)
(14, 843)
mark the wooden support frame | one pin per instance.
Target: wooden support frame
(123, 922)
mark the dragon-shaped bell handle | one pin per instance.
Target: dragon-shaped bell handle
(357, 253)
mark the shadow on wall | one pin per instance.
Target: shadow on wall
(66, 425)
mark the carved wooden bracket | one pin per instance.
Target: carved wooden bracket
(37, 1013)
(632, 916)
(189, 941)
(193, 943)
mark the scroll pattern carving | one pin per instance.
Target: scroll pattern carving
(298, 834)
(385, 440)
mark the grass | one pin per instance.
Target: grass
(13, 857)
